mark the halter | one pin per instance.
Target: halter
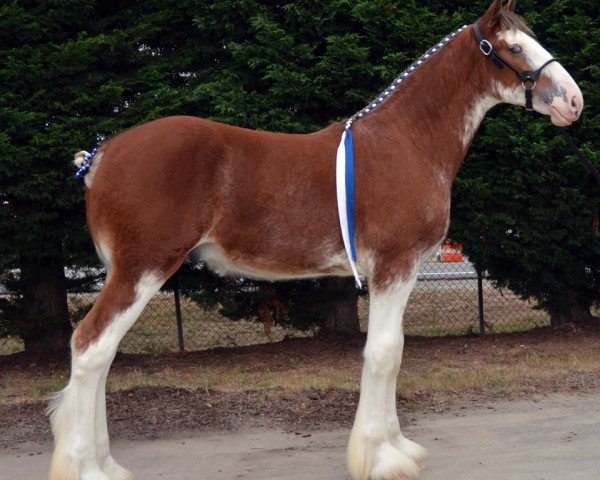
(528, 78)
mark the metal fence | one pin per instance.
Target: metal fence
(450, 298)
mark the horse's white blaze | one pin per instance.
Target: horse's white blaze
(370, 453)
(78, 420)
(563, 101)
(535, 54)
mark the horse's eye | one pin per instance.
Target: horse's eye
(514, 48)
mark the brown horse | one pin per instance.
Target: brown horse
(264, 205)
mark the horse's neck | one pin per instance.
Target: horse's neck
(437, 110)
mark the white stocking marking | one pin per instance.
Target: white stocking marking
(371, 455)
(105, 460)
(79, 412)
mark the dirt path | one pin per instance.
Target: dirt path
(554, 438)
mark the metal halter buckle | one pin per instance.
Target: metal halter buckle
(526, 87)
(485, 47)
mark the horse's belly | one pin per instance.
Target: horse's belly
(266, 267)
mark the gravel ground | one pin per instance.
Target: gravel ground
(549, 439)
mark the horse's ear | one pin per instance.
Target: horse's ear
(490, 17)
(510, 6)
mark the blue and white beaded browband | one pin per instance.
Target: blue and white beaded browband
(345, 157)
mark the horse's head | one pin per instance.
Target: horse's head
(522, 71)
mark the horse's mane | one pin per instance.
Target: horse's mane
(511, 21)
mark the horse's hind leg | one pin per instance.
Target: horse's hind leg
(105, 460)
(78, 412)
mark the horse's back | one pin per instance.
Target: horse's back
(180, 180)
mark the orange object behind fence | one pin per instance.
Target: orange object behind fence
(451, 252)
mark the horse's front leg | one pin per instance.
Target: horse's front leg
(377, 450)
(415, 451)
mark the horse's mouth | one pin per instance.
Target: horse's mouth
(559, 119)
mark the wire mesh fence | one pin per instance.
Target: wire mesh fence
(449, 298)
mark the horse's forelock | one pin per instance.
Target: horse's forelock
(511, 21)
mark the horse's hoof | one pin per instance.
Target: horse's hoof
(116, 471)
(392, 464)
(413, 450)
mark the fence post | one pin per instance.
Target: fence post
(178, 316)
(480, 301)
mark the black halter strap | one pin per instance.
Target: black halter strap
(528, 78)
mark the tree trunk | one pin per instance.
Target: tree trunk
(573, 309)
(44, 325)
(342, 314)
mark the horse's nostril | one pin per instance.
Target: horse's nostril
(576, 103)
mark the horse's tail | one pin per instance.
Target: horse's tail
(87, 163)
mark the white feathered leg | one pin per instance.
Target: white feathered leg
(105, 460)
(74, 418)
(413, 450)
(371, 455)
(79, 409)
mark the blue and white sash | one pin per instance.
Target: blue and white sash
(345, 197)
